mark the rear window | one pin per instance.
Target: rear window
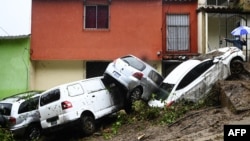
(135, 63)
(5, 108)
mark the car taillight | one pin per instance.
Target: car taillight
(66, 105)
(114, 62)
(138, 75)
(12, 120)
(169, 104)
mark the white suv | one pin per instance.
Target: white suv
(19, 114)
(81, 102)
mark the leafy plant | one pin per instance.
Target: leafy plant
(6, 135)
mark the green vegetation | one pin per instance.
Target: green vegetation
(6, 135)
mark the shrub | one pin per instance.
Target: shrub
(6, 135)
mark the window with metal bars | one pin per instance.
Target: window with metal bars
(177, 32)
(96, 17)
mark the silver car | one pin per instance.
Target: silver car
(19, 114)
(136, 76)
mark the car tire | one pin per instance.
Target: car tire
(236, 66)
(135, 94)
(33, 132)
(88, 124)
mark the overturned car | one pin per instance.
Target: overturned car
(136, 76)
(194, 78)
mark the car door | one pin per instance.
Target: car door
(50, 108)
(189, 88)
(151, 84)
(28, 112)
(193, 86)
(98, 96)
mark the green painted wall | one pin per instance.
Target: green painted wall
(14, 66)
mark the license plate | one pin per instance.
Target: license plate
(116, 74)
(54, 123)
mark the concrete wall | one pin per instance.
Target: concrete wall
(48, 74)
(14, 66)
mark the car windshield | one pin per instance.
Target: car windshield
(135, 63)
(164, 91)
(5, 108)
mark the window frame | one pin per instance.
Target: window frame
(217, 2)
(29, 105)
(96, 17)
(176, 24)
(49, 97)
(75, 89)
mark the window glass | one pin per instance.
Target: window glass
(217, 2)
(5, 108)
(75, 89)
(154, 76)
(177, 33)
(97, 16)
(93, 85)
(28, 105)
(164, 91)
(195, 73)
(51, 96)
(135, 63)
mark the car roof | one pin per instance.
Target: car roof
(20, 96)
(177, 73)
(70, 83)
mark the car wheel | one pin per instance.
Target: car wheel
(236, 66)
(88, 124)
(33, 132)
(135, 94)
